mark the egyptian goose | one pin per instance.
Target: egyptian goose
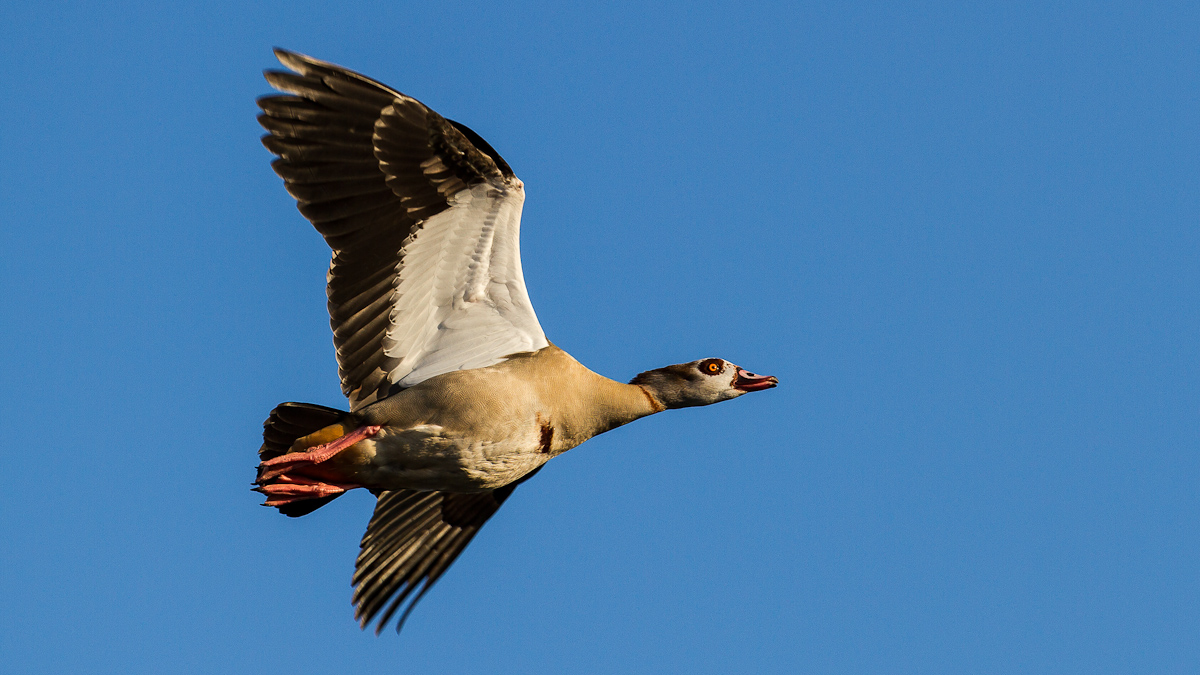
(456, 396)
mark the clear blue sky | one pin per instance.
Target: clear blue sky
(965, 236)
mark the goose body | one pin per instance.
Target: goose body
(456, 396)
(483, 428)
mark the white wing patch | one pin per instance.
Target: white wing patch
(461, 300)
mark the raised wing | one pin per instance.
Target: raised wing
(423, 217)
(412, 539)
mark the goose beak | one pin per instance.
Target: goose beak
(748, 381)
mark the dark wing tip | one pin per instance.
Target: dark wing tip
(307, 66)
(407, 547)
(296, 61)
(413, 538)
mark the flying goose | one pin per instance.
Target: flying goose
(456, 396)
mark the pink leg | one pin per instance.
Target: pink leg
(290, 489)
(315, 455)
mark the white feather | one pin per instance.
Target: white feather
(461, 300)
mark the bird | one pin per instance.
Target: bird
(455, 394)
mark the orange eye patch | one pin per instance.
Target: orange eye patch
(712, 366)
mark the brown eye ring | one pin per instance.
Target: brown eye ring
(711, 366)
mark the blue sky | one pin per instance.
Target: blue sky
(963, 235)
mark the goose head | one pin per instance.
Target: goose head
(702, 382)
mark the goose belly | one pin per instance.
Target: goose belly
(430, 457)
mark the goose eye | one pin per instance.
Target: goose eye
(712, 367)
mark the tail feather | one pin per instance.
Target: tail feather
(286, 423)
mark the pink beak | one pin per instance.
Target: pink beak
(748, 381)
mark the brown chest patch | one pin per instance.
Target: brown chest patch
(547, 436)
